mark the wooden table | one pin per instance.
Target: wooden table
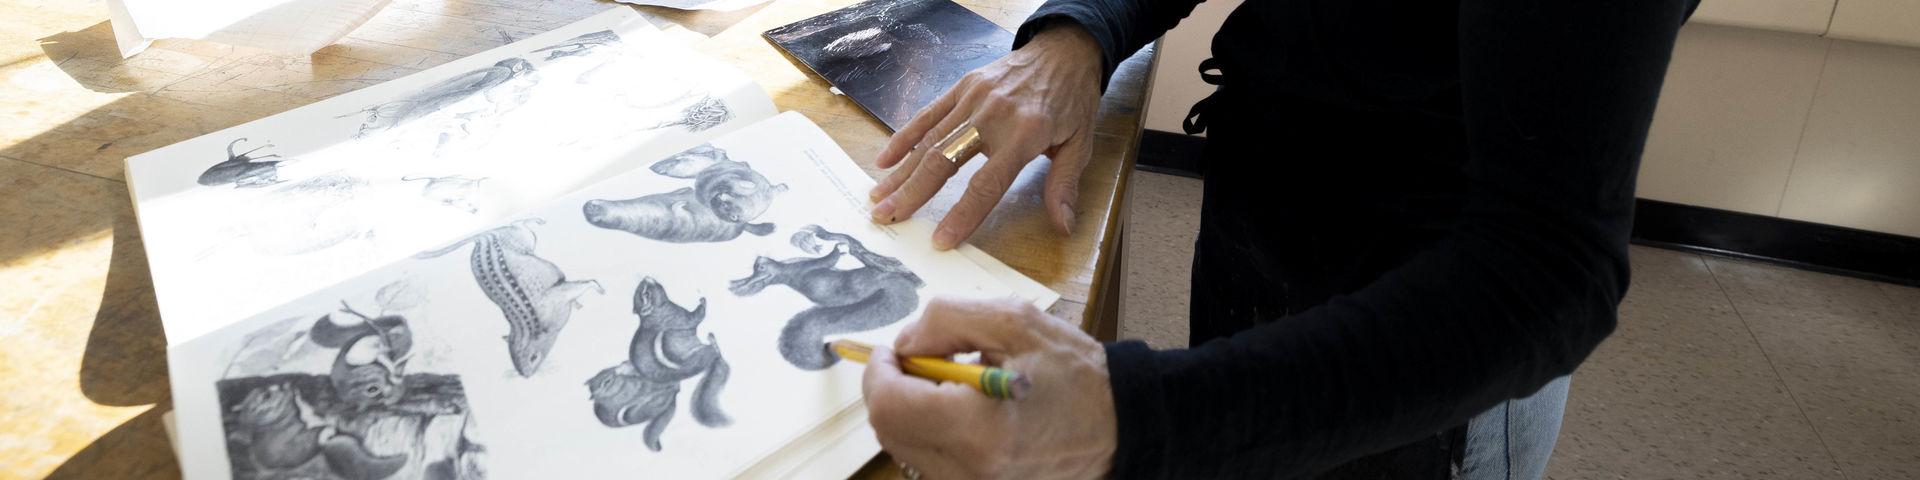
(81, 351)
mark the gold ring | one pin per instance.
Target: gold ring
(960, 145)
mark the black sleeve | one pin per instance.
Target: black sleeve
(1120, 26)
(1557, 98)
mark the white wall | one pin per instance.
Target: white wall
(1789, 125)
(1769, 122)
(1176, 76)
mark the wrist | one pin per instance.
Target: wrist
(1067, 35)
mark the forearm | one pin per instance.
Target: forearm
(1481, 317)
(1120, 27)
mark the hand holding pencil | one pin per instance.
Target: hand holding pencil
(993, 381)
(1062, 426)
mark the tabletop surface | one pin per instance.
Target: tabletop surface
(84, 360)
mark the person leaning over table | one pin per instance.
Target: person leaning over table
(1414, 228)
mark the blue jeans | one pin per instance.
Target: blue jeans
(1514, 439)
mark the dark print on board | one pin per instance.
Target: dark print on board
(894, 56)
(536, 298)
(666, 350)
(367, 418)
(725, 198)
(881, 291)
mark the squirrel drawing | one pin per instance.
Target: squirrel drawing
(666, 349)
(878, 293)
(725, 198)
(533, 294)
(284, 433)
(370, 368)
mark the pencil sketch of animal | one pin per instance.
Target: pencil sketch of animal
(536, 298)
(581, 45)
(704, 113)
(284, 433)
(725, 197)
(450, 190)
(878, 293)
(244, 170)
(666, 350)
(490, 82)
(370, 368)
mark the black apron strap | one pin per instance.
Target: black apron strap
(1210, 72)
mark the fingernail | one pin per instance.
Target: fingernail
(945, 238)
(874, 194)
(1063, 215)
(883, 213)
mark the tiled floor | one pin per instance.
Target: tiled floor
(1720, 368)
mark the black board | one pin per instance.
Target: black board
(894, 56)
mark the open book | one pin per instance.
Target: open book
(588, 253)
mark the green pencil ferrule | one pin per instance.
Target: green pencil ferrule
(994, 381)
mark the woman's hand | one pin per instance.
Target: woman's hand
(1063, 428)
(1038, 99)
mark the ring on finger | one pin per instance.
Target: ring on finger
(960, 145)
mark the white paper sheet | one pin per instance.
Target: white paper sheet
(372, 176)
(233, 387)
(717, 5)
(295, 27)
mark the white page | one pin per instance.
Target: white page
(296, 27)
(375, 175)
(539, 422)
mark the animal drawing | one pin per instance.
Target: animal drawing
(370, 368)
(244, 170)
(536, 298)
(580, 45)
(704, 113)
(666, 349)
(450, 190)
(491, 83)
(878, 293)
(725, 197)
(284, 433)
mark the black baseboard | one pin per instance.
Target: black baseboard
(1171, 153)
(1824, 248)
(1819, 247)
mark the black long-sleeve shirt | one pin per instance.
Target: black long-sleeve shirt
(1554, 99)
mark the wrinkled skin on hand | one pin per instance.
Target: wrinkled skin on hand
(1063, 428)
(1039, 99)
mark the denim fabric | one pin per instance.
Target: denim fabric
(1514, 440)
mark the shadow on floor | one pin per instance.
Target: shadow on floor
(136, 449)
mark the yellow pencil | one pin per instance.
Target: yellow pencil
(993, 381)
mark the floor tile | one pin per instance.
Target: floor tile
(1849, 353)
(1682, 390)
(1159, 258)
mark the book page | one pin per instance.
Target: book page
(670, 321)
(250, 217)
